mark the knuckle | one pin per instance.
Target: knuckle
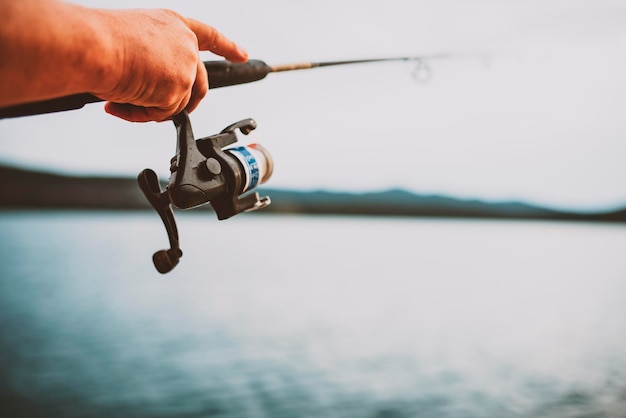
(202, 89)
(171, 13)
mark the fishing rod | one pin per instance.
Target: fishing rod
(210, 169)
(221, 74)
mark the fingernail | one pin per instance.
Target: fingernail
(242, 52)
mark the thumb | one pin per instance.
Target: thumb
(210, 39)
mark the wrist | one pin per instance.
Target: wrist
(100, 55)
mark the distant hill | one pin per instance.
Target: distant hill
(21, 188)
(33, 189)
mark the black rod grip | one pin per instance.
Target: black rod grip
(226, 73)
(75, 101)
(221, 74)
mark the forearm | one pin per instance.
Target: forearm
(145, 63)
(49, 49)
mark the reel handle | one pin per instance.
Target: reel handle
(164, 260)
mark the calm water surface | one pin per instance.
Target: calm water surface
(290, 316)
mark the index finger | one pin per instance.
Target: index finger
(210, 39)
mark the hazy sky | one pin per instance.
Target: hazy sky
(541, 120)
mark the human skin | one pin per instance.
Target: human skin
(144, 63)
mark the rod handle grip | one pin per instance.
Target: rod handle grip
(221, 74)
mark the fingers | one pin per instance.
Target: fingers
(200, 87)
(127, 111)
(189, 102)
(134, 113)
(168, 85)
(210, 39)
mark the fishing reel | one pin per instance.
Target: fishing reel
(205, 171)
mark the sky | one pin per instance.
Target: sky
(530, 105)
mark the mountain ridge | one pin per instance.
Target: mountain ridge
(29, 189)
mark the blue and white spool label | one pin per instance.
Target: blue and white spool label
(250, 165)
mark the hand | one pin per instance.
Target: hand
(161, 73)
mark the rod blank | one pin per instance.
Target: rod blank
(221, 74)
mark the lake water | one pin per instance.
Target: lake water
(293, 316)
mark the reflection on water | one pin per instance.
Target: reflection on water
(270, 316)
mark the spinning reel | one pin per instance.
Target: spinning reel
(204, 171)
